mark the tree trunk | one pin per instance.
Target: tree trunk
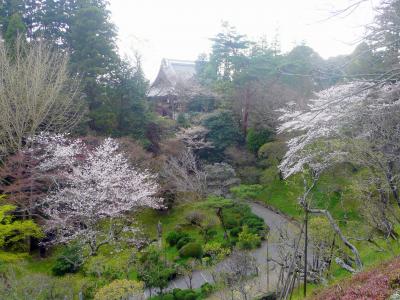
(336, 228)
(392, 185)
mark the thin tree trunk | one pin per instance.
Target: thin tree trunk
(336, 228)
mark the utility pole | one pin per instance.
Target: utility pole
(305, 247)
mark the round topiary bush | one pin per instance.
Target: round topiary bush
(184, 241)
(191, 250)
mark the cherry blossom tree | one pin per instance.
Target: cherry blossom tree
(328, 114)
(93, 188)
(355, 122)
(343, 123)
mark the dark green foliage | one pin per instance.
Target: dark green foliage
(182, 121)
(184, 241)
(255, 223)
(201, 104)
(268, 296)
(256, 138)
(235, 231)
(228, 52)
(15, 28)
(174, 237)
(206, 289)
(179, 294)
(154, 270)
(191, 250)
(239, 216)
(113, 89)
(223, 130)
(230, 220)
(69, 261)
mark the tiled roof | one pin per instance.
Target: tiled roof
(172, 72)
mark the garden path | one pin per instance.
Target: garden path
(266, 281)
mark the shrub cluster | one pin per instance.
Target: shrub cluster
(192, 249)
(178, 294)
(178, 239)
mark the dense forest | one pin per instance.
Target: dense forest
(265, 174)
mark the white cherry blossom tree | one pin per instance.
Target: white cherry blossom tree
(94, 187)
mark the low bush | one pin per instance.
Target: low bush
(174, 236)
(69, 261)
(234, 232)
(107, 268)
(247, 191)
(184, 241)
(206, 289)
(230, 221)
(248, 240)
(191, 250)
(178, 294)
(254, 223)
(120, 289)
(215, 251)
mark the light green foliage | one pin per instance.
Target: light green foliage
(20, 283)
(320, 230)
(246, 192)
(248, 240)
(13, 233)
(216, 251)
(109, 267)
(121, 289)
(272, 153)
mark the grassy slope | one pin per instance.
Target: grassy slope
(30, 266)
(333, 192)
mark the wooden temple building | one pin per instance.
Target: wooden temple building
(174, 84)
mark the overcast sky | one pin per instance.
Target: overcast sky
(181, 29)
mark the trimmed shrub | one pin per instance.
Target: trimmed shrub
(174, 236)
(254, 223)
(184, 241)
(215, 250)
(191, 250)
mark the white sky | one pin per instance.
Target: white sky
(180, 29)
